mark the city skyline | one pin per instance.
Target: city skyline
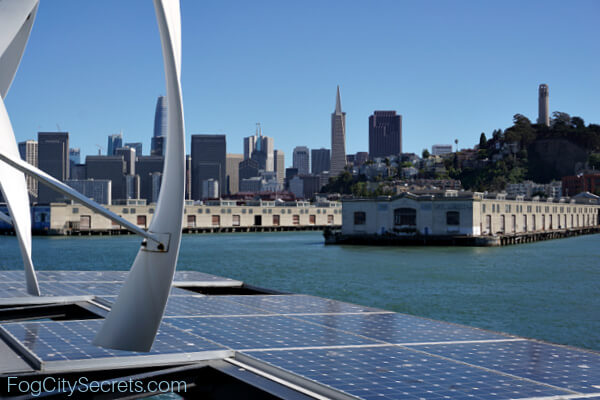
(487, 74)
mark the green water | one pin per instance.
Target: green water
(547, 290)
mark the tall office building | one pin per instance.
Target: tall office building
(149, 169)
(543, 105)
(320, 160)
(279, 165)
(232, 169)
(53, 158)
(128, 154)
(158, 143)
(261, 149)
(137, 146)
(385, 134)
(75, 156)
(208, 162)
(112, 168)
(29, 152)
(114, 142)
(98, 190)
(338, 138)
(301, 159)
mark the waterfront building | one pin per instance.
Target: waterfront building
(53, 158)
(441, 149)
(114, 142)
(543, 105)
(320, 160)
(112, 168)
(385, 134)
(279, 165)
(584, 182)
(99, 190)
(210, 189)
(338, 138)
(29, 153)
(208, 162)
(301, 159)
(135, 145)
(451, 213)
(212, 215)
(146, 168)
(232, 169)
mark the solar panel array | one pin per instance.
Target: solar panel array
(350, 349)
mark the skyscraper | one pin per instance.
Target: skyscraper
(29, 152)
(320, 160)
(160, 127)
(112, 168)
(208, 162)
(233, 172)
(543, 105)
(385, 134)
(338, 138)
(149, 169)
(279, 165)
(137, 146)
(261, 149)
(114, 142)
(301, 159)
(53, 158)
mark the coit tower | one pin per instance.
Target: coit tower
(543, 114)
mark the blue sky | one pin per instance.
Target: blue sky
(453, 69)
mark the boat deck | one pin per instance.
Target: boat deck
(282, 345)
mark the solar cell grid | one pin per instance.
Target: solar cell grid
(574, 369)
(72, 340)
(392, 372)
(205, 306)
(299, 304)
(265, 332)
(402, 328)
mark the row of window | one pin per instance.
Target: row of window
(235, 221)
(538, 209)
(407, 217)
(547, 222)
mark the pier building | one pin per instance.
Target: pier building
(462, 216)
(211, 216)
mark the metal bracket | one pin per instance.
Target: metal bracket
(162, 246)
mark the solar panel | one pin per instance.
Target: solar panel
(299, 304)
(561, 366)
(392, 372)
(196, 276)
(265, 332)
(402, 328)
(59, 341)
(206, 306)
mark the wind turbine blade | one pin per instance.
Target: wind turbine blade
(14, 190)
(135, 316)
(16, 20)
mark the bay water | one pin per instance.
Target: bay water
(547, 290)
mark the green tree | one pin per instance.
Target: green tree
(425, 153)
(482, 141)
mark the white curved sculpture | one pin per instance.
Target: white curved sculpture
(16, 20)
(134, 318)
